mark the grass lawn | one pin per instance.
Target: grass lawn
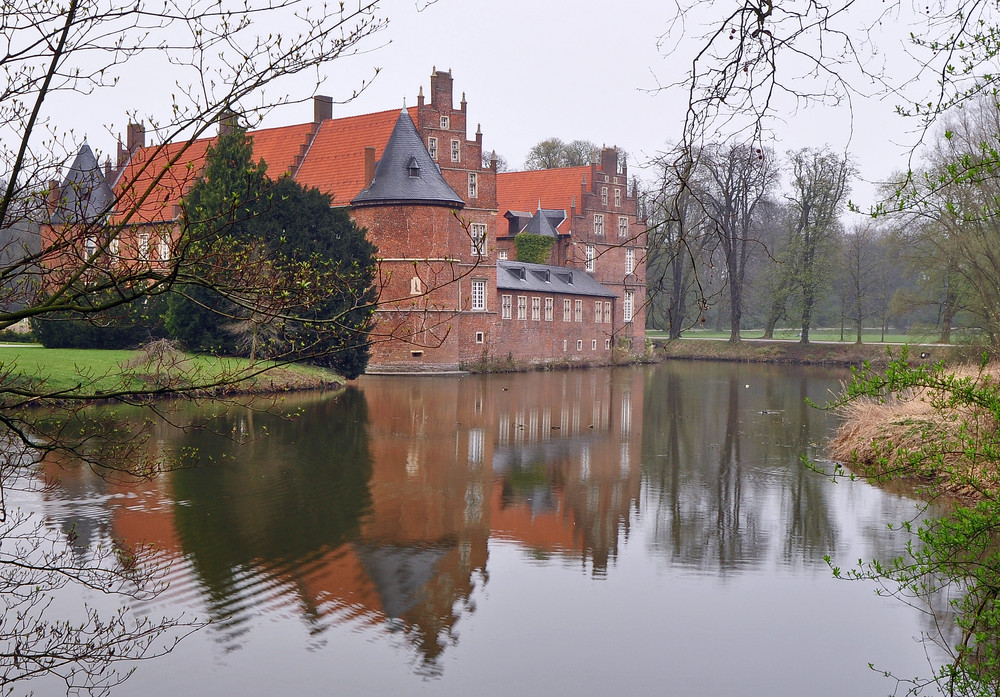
(868, 336)
(104, 371)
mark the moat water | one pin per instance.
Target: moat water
(640, 531)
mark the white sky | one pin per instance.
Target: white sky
(533, 69)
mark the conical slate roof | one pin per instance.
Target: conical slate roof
(406, 174)
(85, 193)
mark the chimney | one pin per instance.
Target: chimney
(322, 108)
(369, 166)
(441, 89)
(420, 96)
(135, 137)
(463, 103)
(609, 161)
(55, 195)
(479, 134)
(228, 121)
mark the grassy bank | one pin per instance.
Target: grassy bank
(934, 426)
(761, 351)
(64, 372)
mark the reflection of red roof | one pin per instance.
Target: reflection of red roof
(553, 188)
(335, 163)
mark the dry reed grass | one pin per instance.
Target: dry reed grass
(919, 436)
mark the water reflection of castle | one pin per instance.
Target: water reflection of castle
(548, 461)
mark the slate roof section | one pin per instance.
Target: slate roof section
(543, 222)
(85, 194)
(398, 182)
(542, 278)
(552, 189)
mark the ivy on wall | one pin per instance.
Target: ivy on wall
(533, 249)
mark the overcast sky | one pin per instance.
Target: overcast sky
(532, 70)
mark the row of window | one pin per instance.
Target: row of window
(604, 197)
(572, 309)
(456, 149)
(590, 252)
(163, 247)
(599, 225)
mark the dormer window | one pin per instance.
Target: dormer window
(413, 168)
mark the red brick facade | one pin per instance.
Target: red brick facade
(440, 305)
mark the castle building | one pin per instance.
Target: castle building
(451, 290)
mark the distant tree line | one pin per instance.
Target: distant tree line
(730, 248)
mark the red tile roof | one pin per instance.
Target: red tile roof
(335, 163)
(278, 147)
(150, 186)
(553, 188)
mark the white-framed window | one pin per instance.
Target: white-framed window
(593, 344)
(589, 258)
(607, 343)
(629, 260)
(567, 311)
(113, 248)
(623, 226)
(599, 224)
(578, 310)
(416, 288)
(478, 233)
(505, 307)
(627, 306)
(607, 312)
(549, 305)
(456, 151)
(444, 122)
(90, 247)
(536, 309)
(473, 185)
(502, 255)
(618, 198)
(604, 195)
(144, 246)
(480, 337)
(432, 147)
(598, 318)
(478, 295)
(164, 247)
(522, 307)
(579, 344)
(565, 345)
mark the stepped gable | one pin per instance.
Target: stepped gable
(406, 174)
(335, 161)
(85, 194)
(545, 188)
(542, 278)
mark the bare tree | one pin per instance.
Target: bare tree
(734, 182)
(76, 250)
(677, 239)
(819, 184)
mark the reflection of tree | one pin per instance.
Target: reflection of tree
(722, 444)
(270, 503)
